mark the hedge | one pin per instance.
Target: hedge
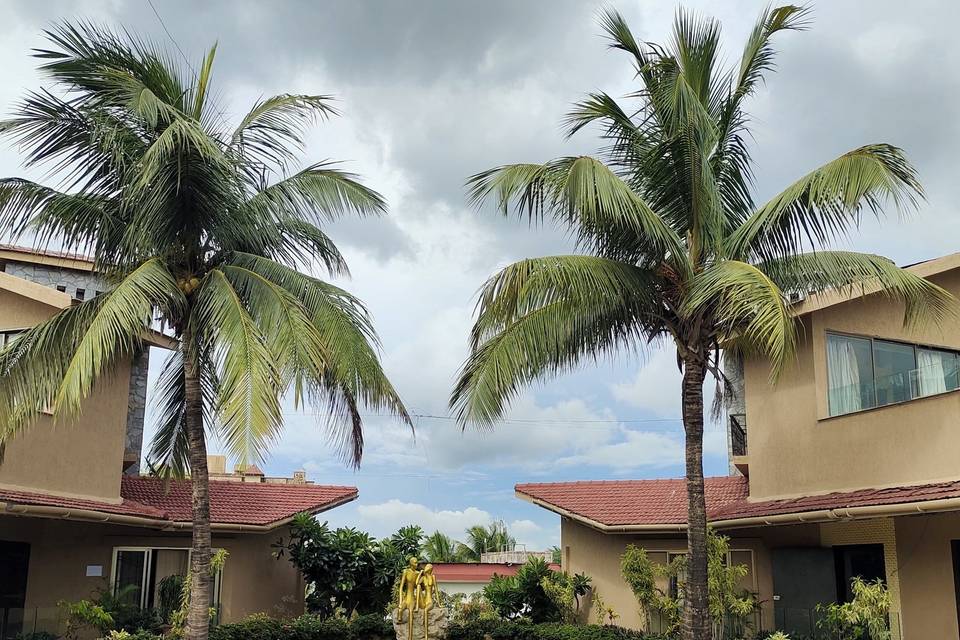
(375, 627)
(306, 627)
(504, 630)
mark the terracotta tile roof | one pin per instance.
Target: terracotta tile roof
(664, 502)
(124, 508)
(840, 501)
(231, 503)
(476, 571)
(633, 502)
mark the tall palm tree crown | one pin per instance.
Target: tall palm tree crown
(200, 225)
(673, 247)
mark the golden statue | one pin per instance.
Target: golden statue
(407, 595)
(426, 591)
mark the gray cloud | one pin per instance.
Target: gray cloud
(434, 91)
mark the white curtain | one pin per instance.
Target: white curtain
(844, 377)
(932, 376)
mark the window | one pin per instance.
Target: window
(850, 373)
(9, 335)
(937, 371)
(80, 294)
(894, 364)
(138, 572)
(674, 588)
(62, 288)
(863, 373)
(863, 561)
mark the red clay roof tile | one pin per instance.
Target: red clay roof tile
(840, 500)
(633, 502)
(231, 503)
(663, 502)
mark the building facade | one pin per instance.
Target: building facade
(76, 516)
(846, 465)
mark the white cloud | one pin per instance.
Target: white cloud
(656, 386)
(636, 450)
(385, 518)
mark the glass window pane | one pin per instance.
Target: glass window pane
(129, 578)
(744, 558)
(936, 371)
(894, 364)
(850, 374)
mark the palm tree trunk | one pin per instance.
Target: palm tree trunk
(696, 613)
(198, 618)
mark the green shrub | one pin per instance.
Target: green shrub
(371, 626)
(537, 593)
(306, 627)
(256, 627)
(509, 630)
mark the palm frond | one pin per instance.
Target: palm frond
(120, 317)
(741, 301)
(587, 197)
(320, 192)
(28, 209)
(847, 271)
(273, 129)
(828, 202)
(86, 58)
(352, 375)
(170, 447)
(248, 407)
(539, 318)
(758, 52)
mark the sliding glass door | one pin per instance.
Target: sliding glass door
(139, 571)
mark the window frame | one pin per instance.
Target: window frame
(6, 333)
(672, 553)
(147, 571)
(873, 364)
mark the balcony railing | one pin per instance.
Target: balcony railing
(738, 434)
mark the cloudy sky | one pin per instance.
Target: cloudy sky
(432, 92)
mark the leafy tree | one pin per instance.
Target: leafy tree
(674, 248)
(729, 603)
(408, 541)
(565, 592)
(482, 539)
(196, 223)
(866, 616)
(346, 568)
(523, 594)
(440, 547)
(556, 554)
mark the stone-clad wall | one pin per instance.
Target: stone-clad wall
(90, 283)
(54, 277)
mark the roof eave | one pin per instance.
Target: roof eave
(600, 526)
(825, 299)
(842, 513)
(92, 515)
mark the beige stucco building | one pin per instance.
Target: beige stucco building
(848, 464)
(76, 517)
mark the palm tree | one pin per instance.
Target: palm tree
(673, 247)
(482, 539)
(197, 225)
(439, 547)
